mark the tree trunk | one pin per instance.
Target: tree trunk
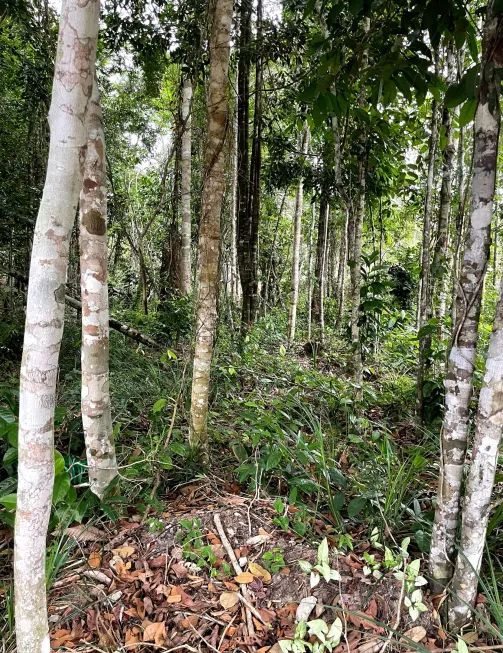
(255, 169)
(458, 382)
(234, 277)
(185, 165)
(310, 271)
(356, 252)
(480, 481)
(297, 233)
(243, 221)
(96, 417)
(71, 96)
(209, 233)
(341, 271)
(440, 264)
(318, 299)
(459, 222)
(424, 304)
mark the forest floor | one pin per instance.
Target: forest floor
(129, 586)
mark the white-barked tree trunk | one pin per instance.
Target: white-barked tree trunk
(45, 310)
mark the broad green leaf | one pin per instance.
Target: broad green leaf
(9, 501)
(59, 463)
(159, 405)
(467, 112)
(356, 506)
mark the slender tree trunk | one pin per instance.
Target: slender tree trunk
(143, 280)
(255, 169)
(356, 253)
(234, 204)
(185, 165)
(356, 275)
(297, 233)
(424, 308)
(96, 416)
(209, 233)
(318, 299)
(45, 310)
(440, 264)
(244, 221)
(310, 271)
(458, 382)
(480, 481)
(341, 272)
(459, 222)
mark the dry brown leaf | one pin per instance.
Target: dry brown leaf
(124, 551)
(228, 599)
(84, 533)
(231, 586)
(244, 578)
(94, 560)
(416, 634)
(259, 572)
(155, 633)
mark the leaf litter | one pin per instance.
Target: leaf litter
(130, 588)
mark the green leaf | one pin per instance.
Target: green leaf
(467, 113)
(239, 451)
(323, 552)
(61, 486)
(7, 415)
(159, 405)
(273, 459)
(455, 95)
(59, 463)
(356, 506)
(9, 501)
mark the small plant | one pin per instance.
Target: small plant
(328, 637)
(274, 561)
(322, 567)
(191, 539)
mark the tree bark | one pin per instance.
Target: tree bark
(209, 234)
(297, 233)
(71, 97)
(243, 221)
(480, 481)
(310, 271)
(341, 271)
(440, 264)
(255, 170)
(424, 305)
(96, 416)
(318, 299)
(185, 165)
(356, 252)
(458, 382)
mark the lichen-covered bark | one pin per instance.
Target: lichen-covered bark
(297, 232)
(185, 165)
(96, 416)
(424, 304)
(458, 382)
(209, 235)
(71, 96)
(480, 481)
(439, 266)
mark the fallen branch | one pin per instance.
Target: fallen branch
(125, 329)
(232, 557)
